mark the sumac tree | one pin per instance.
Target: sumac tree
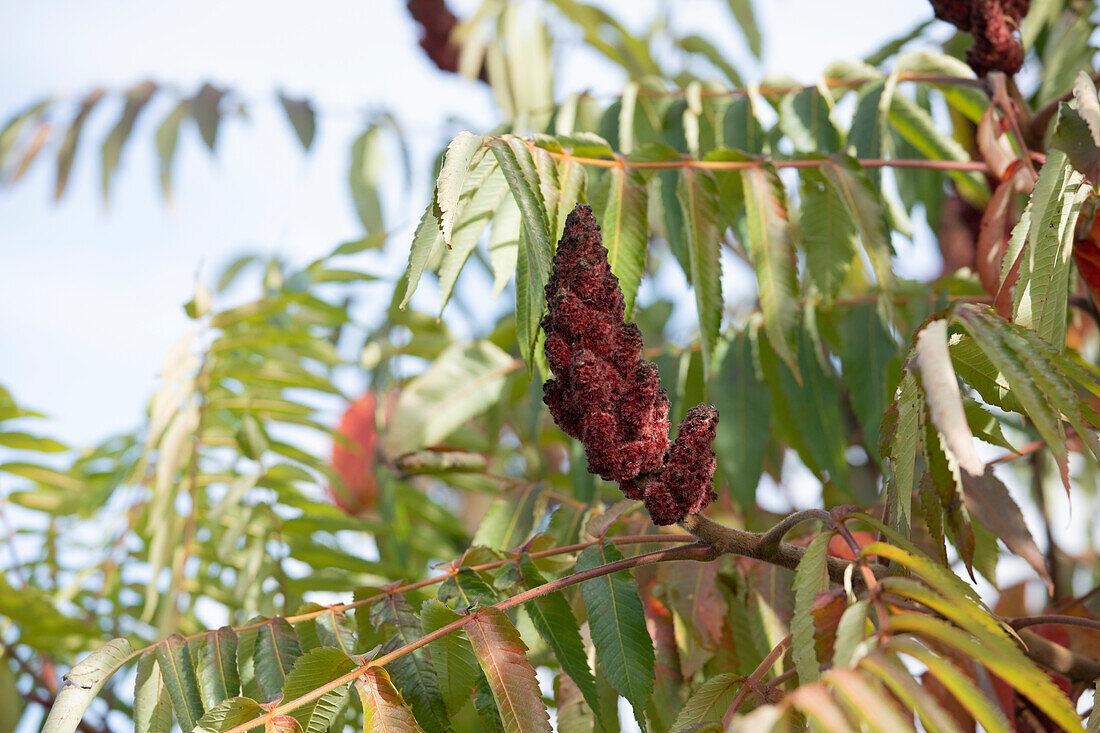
(466, 561)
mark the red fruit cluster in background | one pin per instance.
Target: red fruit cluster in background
(609, 398)
(353, 459)
(993, 23)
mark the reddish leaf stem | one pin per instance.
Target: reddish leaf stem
(698, 552)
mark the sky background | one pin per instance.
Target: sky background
(90, 296)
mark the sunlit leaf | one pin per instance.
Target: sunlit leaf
(152, 706)
(461, 384)
(83, 683)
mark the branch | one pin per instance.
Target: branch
(729, 541)
(620, 161)
(1053, 619)
(1057, 658)
(696, 551)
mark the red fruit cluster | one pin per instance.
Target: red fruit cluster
(609, 398)
(993, 23)
(437, 24)
(353, 458)
(685, 484)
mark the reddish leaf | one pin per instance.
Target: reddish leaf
(827, 609)
(353, 457)
(1087, 255)
(693, 593)
(503, 657)
(838, 546)
(384, 711)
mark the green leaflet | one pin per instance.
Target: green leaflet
(368, 162)
(968, 100)
(708, 704)
(511, 518)
(216, 667)
(624, 649)
(383, 708)
(804, 118)
(1009, 365)
(312, 670)
(10, 132)
(915, 125)
(850, 632)
(83, 683)
(900, 438)
(302, 118)
(503, 657)
(246, 665)
(273, 656)
(1088, 105)
(862, 201)
(828, 233)
(556, 624)
(486, 706)
(332, 629)
(870, 120)
(167, 136)
(67, 152)
(412, 673)
(458, 176)
(504, 243)
(486, 190)
(452, 656)
(516, 161)
(810, 578)
(427, 247)
(808, 413)
(205, 108)
(1041, 290)
(698, 196)
(625, 231)
(870, 363)
(178, 672)
(111, 151)
(228, 714)
(743, 12)
(152, 706)
(464, 381)
(772, 255)
(744, 404)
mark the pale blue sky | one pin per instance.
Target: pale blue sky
(90, 297)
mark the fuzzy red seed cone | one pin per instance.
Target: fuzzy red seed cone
(353, 459)
(607, 396)
(604, 394)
